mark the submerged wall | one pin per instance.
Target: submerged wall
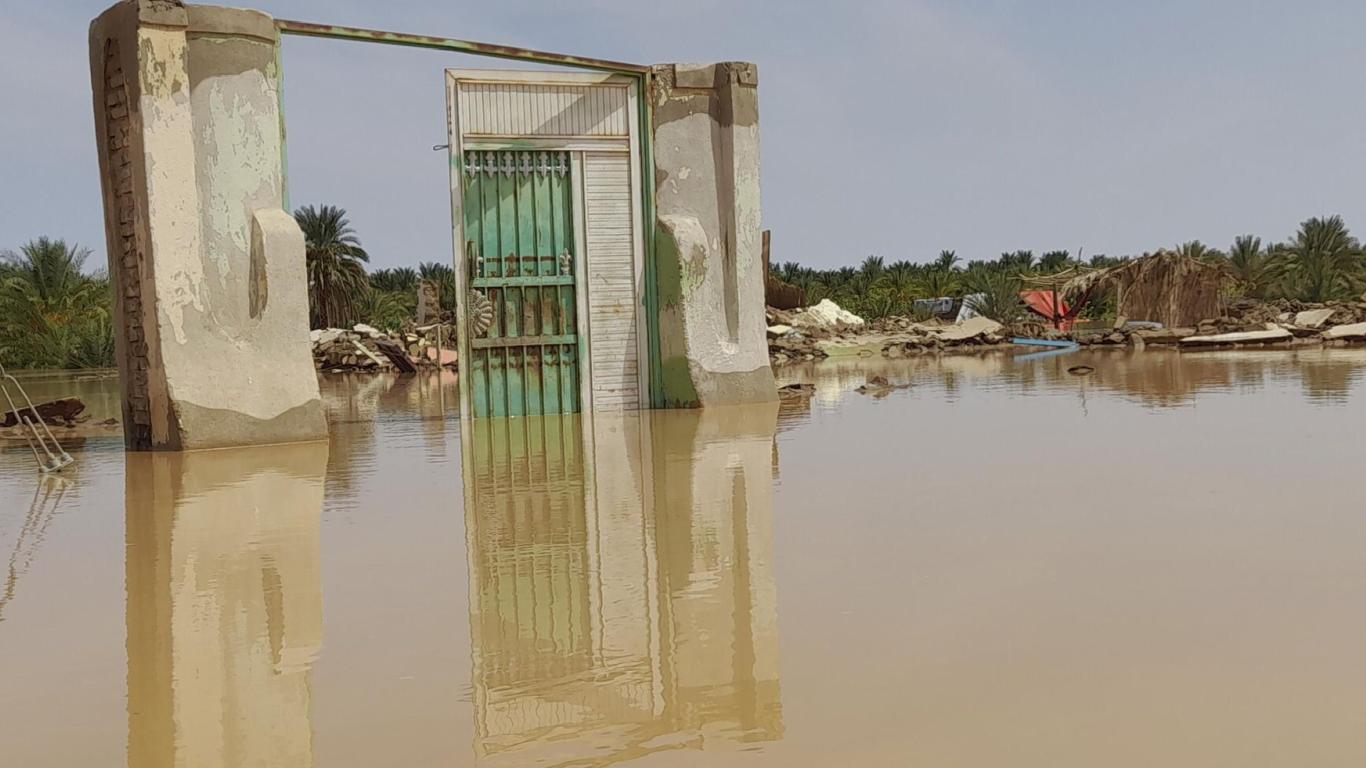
(212, 303)
(708, 249)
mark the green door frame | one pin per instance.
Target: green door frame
(641, 72)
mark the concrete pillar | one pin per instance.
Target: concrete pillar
(212, 303)
(708, 249)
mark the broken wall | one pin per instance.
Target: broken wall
(211, 292)
(708, 249)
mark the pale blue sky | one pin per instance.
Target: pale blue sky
(894, 128)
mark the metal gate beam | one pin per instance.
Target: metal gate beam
(307, 29)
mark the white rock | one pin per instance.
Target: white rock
(826, 314)
(366, 330)
(774, 331)
(1313, 318)
(326, 335)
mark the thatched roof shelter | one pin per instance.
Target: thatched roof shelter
(1165, 287)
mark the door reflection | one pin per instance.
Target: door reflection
(622, 596)
(224, 612)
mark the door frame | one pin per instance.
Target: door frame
(458, 143)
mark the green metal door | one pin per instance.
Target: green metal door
(519, 249)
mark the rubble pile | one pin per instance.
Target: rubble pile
(1251, 322)
(827, 330)
(367, 349)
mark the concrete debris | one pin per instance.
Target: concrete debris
(1345, 332)
(366, 349)
(1289, 323)
(1313, 318)
(1266, 336)
(776, 331)
(972, 328)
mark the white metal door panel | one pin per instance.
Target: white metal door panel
(499, 108)
(612, 300)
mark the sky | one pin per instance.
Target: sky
(889, 127)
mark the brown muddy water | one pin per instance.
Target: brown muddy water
(1161, 563)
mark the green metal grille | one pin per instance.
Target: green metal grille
(520, 255)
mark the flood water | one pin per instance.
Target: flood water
(1002, 564)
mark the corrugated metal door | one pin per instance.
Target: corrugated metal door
(546, 203)
(612, 296)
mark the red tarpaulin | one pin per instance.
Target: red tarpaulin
(1041, 303)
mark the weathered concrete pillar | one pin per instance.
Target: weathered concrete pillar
(709, 250)
(212, 302)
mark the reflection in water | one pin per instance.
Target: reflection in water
(622, 600)
(48, 494)
(224, 612)
(1157, 378)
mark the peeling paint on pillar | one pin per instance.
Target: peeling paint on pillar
(216, 294)
(708, 254)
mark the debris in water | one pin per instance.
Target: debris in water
(878, 386)
(67, 410)
(1081, 370)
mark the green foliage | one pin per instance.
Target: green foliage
(337, 282)
(53, 314)
(1323, 261)
(386, 310)
(1256, 269)
(1054, 262)
(400, 280)
(1199, 251)
(995, 293)
(444, 278)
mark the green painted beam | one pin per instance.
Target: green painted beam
(358, 34)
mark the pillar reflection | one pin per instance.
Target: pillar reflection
(622, 596)
(224, 612)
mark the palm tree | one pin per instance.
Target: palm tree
(399, 280)
(53, 314)
(336, 265)
(1054, 261)
(386, 310)
(947, 261)
(443, 276)
(1323, 262)
(1198, 251)
(939, 282)
(1019, 261)
(872, 267)
(1255, 267)
(995, 293)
